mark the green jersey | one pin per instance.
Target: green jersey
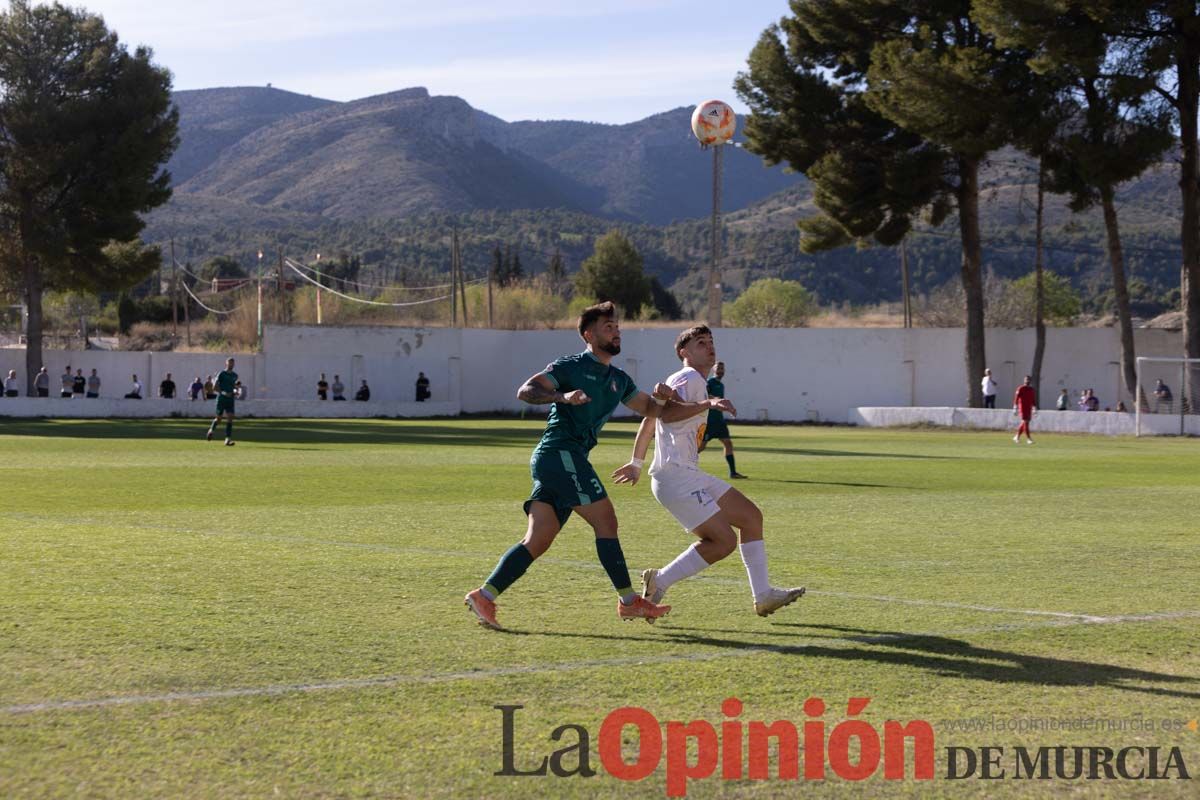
(715, 388)
(575, 428)
(225, 382)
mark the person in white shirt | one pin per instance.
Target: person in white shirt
(705, 505)
(12, 387)
(136, 392)
(989, 389)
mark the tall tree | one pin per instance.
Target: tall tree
(889, 108)
(614, 272)
(1160, 40)
(85, 127)
(557, 271)
(1106, 129)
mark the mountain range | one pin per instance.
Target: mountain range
(389, 177)
(408, 152)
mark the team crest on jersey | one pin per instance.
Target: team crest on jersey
(613, 385)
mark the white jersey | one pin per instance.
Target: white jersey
(678, 443)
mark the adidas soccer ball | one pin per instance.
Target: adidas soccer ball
(713, 122)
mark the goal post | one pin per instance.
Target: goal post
(1166, 387)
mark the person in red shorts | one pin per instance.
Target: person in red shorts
(1024, 405)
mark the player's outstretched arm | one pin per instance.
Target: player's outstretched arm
(651, 405)
(538, 390)
(633, 470)
(679, 411)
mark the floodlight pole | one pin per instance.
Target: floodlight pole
(714, 270)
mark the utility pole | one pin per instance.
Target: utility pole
(454, 278)
(904, 283)
(318, 288)
(187, 319)
(260, 308)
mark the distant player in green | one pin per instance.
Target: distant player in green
(585, 389)
(716, 428)
(224, 386)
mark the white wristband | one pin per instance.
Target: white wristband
(658, 400)
(637, 462)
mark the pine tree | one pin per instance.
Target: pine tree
(85, 127)
(614, 272)
(1108, 129)
(889, 108)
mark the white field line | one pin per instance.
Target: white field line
(501, 672)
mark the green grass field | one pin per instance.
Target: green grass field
(284, 618)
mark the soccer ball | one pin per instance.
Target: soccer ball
(713, 122)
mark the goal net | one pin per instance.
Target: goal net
(1168, 390)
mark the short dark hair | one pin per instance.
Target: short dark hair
(593, 313)
(691, 333)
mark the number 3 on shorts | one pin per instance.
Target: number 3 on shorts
(599, 488)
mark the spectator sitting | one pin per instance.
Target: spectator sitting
(166, 389)
(136, 392)
(1121, 406)
(1162, 397)
(196, 389)
(363, 393)
(423, 392)
(1093, 402)
(68, 383)
(42, 383)
(12, 387)
(210, 392)
(322, 388)
(239, 391)
(78, 383)
(93, 385)
(339, 391)
(1063, 401)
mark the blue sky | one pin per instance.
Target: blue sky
(606, 61)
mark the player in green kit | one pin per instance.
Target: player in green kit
(224, 385)
(585, 389)
(715, 427)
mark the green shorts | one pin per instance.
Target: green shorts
(715, 428)
(224, 405)
(564, 480)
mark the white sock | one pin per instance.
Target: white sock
(754, 556)
(685, 565)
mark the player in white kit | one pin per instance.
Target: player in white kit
(705, 505)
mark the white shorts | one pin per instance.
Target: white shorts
(689, 494)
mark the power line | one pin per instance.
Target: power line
(200, 302)
(293, 267)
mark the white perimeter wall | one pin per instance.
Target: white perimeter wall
(779, 374)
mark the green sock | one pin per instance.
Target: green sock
(229, 429)
(730, 462)
(512, 565)
(613, 559)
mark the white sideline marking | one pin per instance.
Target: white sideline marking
(500, 672)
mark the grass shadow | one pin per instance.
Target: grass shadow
(957, 658)
(290, 431)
